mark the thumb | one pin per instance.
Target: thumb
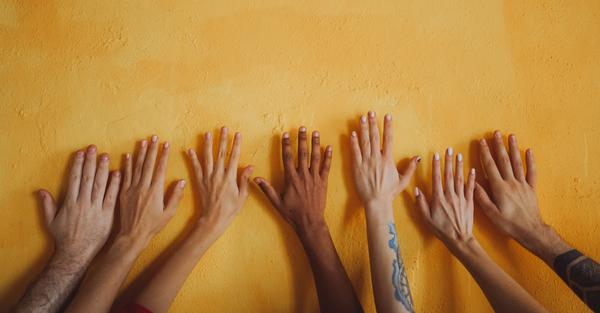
(48, 205)
(423, 205)
(484, 200)
(173, 201)
(245, 181)
(269, 191)
(407, 173)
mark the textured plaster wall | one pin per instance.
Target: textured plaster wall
(76, 72)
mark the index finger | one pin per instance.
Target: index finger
(287, 156)
(488, 162)
(161, 167)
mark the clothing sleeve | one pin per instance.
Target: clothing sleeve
(133, 307)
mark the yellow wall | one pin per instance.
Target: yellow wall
(76, 72)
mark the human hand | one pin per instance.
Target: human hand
(450, 213)
(514, 209)
(82, 225)
(222, 198)
(143, 211)
(302, 202)
(375, 174)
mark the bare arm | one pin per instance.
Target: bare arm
(222, 199)
(143, 214)
(450, 216)
(79, 229)
(378, 183)
(515, 212)
(302, 205)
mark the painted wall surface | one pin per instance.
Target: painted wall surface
(110, 73)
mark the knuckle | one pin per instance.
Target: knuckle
(388, 138)
(304, 154)
(160, 168)
(86, 178)
(288, 157)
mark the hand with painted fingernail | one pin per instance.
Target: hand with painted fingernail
(79, 229)
(449, 214)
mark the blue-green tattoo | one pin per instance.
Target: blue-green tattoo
(402, 292)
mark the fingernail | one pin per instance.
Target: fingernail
(286, 135)
(530, 152)
(166, 145)
(416, 191)
(512, 138)
(91, 149)
(41, 194)
(117, 174)
(363, 119)
(329, 148)
(472, 171)
(224, 129)
(154, 138)
(302, 129)
(207, 135)
(388, 117)
(353, 134)
(257, 180)
(497, 134)
(371, 114)
(127, 156)
(418, 159)
(483, 142)
(251, 168)
(459, 157)
(436, 156)
(316, 134)
(450, 151)
(143, 143)
(79, 153)
(238, 135)
(191, 152)
(104, 158)
(181, 183)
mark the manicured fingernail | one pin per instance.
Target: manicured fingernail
(329, 148)
(224, 129)
(450, 151)
(104, 158)
(459, 157)
(388, 117)
(286, 135)
(316, 134)
(418, 159)
(363, 119)
(128, 156)
(191, 152)
(117, 174)
(207, 135)
(154, 138)
(181, 183)
(483, 142)
(530, 152)
(79, 153)
(512, 138)
(472, 171)
(371, 114)
(91, 149)
(436, 156)
(416, 191)
(497, 134)
(302, 129)
(166, 145)
(353, 134)
(144, 143)
(238, 135)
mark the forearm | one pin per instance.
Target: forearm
(55, 285)
(334, 289)
(544, 243)
(388, 275)
(99, 292)
(158, 295)
(503, 293)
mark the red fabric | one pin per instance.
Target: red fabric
(134, 308)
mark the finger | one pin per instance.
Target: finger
(148, 169)
(531, 173)
(459, 181)
(269, 191)
(315, 154)
(208, 154)
(88, 174)
(302, 151)
(110, 199)
(488, 162)
(436, 177)
(388, 135)
(75, 176)
(355, 147)
(139, 163)
(423, 205)
(326, 163)
(222, 154)
(196, 165)
(48, 205)
(287, 156)
(515, 158)
(365, 141)
(470, 185)
(374, 134)
(408, 172)
(448, 168)
(502, 159)
(161, 166)
(234, 157)
(173, 201)
(245, 181)
(489, 208)
(101, 178)
(128, 172)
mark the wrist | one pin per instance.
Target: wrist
(379, 210)
(544, 243)
(207, 228)
(466, 248)
(310, 229)
(130, 243)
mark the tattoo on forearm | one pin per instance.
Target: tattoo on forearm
(402, 291)
(582, 275)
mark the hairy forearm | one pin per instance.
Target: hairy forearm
(503, 293)
(100, 290)
(544, 243)
(388, 274)
(158, 295)
(55, 285)
(334, 289)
